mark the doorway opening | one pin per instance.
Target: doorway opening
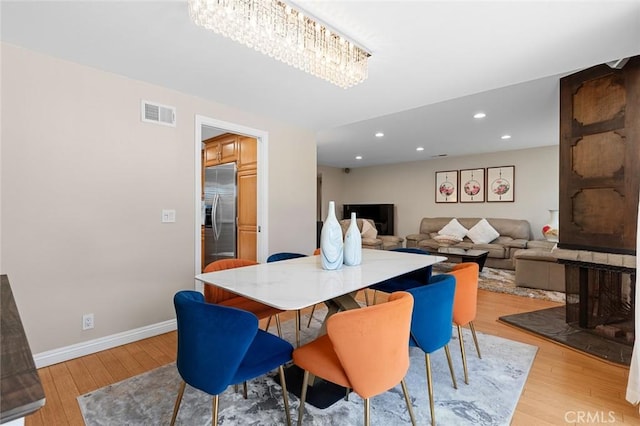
(207, 128)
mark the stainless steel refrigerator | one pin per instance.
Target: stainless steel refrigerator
(219, 212)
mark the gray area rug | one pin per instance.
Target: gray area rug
(495, 384)
(503, 281)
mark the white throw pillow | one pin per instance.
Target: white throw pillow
(482, 233)
(368, 230)
(454, 228)
(446, 240)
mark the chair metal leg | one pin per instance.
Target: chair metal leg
(375, 294)
(214, 417)
(427, 361)
(311, 316)
(266, 328)
(303, 396)
(464, 357)
(475, 338)
(285, 395)
(278, 326)
(244, 389)
(366, 296)
(405, 391)
(176, 407)
(453, 376)
(367, 420)
(346, 395)
(298, 328)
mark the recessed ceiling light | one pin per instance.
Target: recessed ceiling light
(505, 137)
(379, 135)
(358, 157)
(479, 115)
(419, 148)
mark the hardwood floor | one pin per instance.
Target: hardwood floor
(564, 386)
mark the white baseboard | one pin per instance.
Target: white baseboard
(55, 356)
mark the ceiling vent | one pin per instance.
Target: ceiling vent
(160, 114)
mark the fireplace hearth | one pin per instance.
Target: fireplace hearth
(600, 296)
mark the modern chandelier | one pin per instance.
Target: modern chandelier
(284, 33)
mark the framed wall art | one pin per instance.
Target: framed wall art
(500, 184)
(447, 186)
(472, 186)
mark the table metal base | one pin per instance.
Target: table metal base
(321, 395)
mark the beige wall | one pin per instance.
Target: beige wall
(333, 186)
(83, 185)
(411, 186)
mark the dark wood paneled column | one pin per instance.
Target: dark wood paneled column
(600, 158)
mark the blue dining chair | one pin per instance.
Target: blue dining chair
(405, 281)
(219, 346)
(284, 256)
(431, 324)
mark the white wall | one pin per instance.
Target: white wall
(411, 187)
(83, 183)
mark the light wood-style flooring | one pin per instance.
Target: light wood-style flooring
(564, 386)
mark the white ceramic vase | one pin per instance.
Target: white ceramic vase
(550, 230)
(331, 246)
(352, 244)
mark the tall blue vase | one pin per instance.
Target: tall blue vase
(353, 243)
(331, 246)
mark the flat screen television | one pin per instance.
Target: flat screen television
(381, 214)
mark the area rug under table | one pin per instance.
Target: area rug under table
(495, 384)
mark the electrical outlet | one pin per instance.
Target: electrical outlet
(87, 321)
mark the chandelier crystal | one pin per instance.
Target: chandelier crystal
(284, 33)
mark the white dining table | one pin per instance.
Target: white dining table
(294, 284)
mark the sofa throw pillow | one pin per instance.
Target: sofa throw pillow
(368, 230)
(454, 228)
(482, 232)
(447, 240)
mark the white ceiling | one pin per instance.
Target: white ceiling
(433, 65)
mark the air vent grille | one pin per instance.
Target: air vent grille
(159, 114)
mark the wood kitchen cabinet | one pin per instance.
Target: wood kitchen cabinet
(247, 181)
(247, 153)
(247, 214)
(220, 149)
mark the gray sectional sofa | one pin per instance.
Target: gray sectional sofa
(514, 235)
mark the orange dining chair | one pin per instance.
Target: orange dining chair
(364, 349)
(465, 305)
(217, 295)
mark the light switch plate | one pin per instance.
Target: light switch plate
(168, 216)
